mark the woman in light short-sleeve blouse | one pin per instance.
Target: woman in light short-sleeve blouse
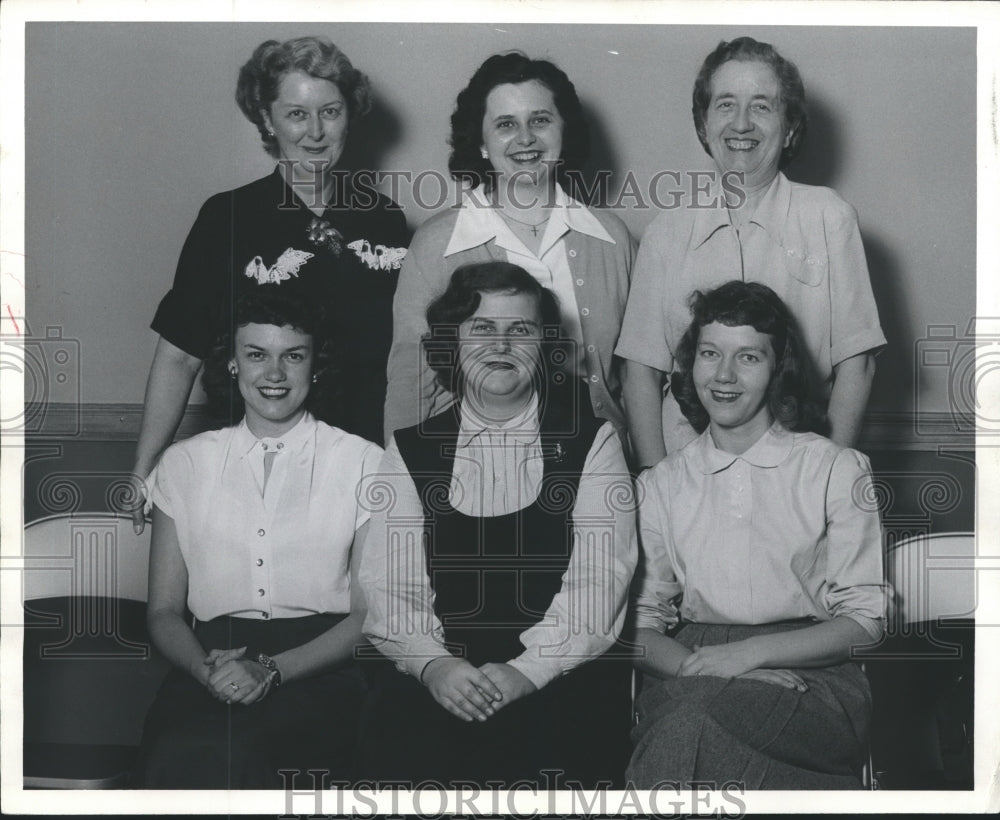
(257, 531)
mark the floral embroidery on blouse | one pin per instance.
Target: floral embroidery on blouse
(381, 258)
(324, 235)
(287, 266)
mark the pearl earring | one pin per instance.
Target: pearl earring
(485, 153)
(233, 371)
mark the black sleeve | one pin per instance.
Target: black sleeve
(188, 315)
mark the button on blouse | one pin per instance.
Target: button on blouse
(275, 550)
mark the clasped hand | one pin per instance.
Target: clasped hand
(736, 660)
(474, 694)
(232, 679)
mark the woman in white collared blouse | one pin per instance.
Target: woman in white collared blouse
(497, 570)
(257, 531)
(518, 135)
(763, 559)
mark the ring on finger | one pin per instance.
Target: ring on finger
(235, 686)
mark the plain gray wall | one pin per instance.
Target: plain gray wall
(131, 126)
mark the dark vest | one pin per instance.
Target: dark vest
(495, 577)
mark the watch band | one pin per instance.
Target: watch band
(274, 674)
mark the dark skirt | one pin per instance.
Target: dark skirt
(712, 730)
(192, 741)
(572, 732)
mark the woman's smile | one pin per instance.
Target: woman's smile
(274, 392)
(732, 372)
(273, 367)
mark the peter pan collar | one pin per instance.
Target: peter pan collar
(770, 450)
(478, 223)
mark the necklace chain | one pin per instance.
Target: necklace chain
(533, 225)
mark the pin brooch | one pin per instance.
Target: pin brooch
(324, 235)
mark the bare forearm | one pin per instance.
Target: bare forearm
(178, 644)
(852, 384)
(333, 648)
(657, 654)
(171, 378)
(824, 644)
(642, 388)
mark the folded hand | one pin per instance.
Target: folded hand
(512, 684)
(238, 681)
(460, 688)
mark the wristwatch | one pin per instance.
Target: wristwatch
(274, 674)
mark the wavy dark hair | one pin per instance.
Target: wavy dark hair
(791, 394)
(260, 76)
(461, 300)
(269, 305)
(793, 93)
(467, 164)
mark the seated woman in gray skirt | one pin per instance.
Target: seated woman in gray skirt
(763, 545)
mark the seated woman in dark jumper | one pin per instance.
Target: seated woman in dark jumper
(257, 531)
(761, 543)
(497, 570)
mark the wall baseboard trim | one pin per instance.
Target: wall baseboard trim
(101, 422)
(120, 422)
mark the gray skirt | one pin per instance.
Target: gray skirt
(744, 733)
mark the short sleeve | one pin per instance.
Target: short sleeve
(643, 336)
(854, 585)
(171, 476)
(371, 458)
(854, 322)
(187, 314)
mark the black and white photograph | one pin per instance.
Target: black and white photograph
(491, 408)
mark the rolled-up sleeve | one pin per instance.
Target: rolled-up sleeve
(643, 336)
(400, 621)
(854, 322)
(855, 586)
(656, 588)
(586, 616)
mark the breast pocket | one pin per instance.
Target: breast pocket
(807, 266)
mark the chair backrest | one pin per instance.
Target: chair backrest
(933, 577)
(90, 669)
(92, 554)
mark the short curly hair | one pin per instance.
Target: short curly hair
(791, 394)
(260, 76)
(461, 300)
(793, 94)
(466, 162)
(269, 305)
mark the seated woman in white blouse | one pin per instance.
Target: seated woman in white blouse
(497, 570)
(763, 545)
(257, 532)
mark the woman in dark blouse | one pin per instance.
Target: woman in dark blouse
(304, 226)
